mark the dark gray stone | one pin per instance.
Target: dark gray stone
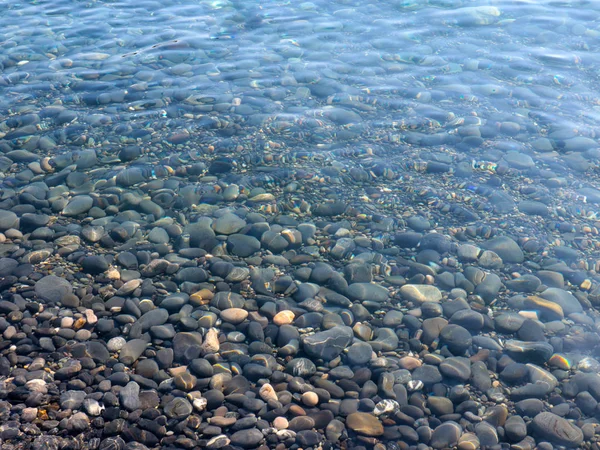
(130, 396)
(506, 248)
(557, 430)
(52, 288)
(327, 345)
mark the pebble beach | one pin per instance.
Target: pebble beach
(306, 226)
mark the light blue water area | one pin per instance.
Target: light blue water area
(471, 112)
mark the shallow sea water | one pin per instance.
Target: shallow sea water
(479, 87)
(470, 119)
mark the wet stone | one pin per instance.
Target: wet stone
(567, 301)
(147, 368)
(365, 424)
(368, 292)
(229, 224)
(446, 435)
(486, 434)
(202, 236)
(7, 266)
(420, 293)
(153, 318)
(301, 367)
(359, 353)
(557, 430)
(440, 405)
(536, 352)
(506, 248)
(533, 208)
(178, 408)
(249, 438)
(457, 338)
(52, 288)
(301, 423)
(469, 441)
(225, 300)
(242, 245)
(428, 374)
(78, 205)
(525, 283)
(328, 344)
(468, 319)
(529, 407)
(185, 381)
(186, 346)
(457, 368)
(158, 236)
(515, 428)
(490, 260)
(210, 243)
(514, 373)
(385, 340)
(129, 396)
(509, 322)
(94, 264)
(234, 315)
(72, 399)
(8, 219)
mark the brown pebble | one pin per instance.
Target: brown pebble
(211, 342)
(267, 393)
(221, 421)
(234, 315)
(201, 298)
(174, 371)
(482, 355)
(409, 363)
(90, 317)
(281, 423)
(297, 410)
(29, 414)
(178, 138)
(302, 423)
(185, 381)
(310, 399)
(363, 423)
(79, 323)
(285, 317)
(220, 411)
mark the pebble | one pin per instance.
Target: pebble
(421, 293)
(52, 288)
(229, 224)
(310, 399)
(132, 350)
(281, 423)
(249, 438)
(78, 205)
(129, 396)
(328, 344)
(368, 292)
(283, 318)
(506, 248)
(8, 220)
(557, 430)
(567, 301)
(457, 338)
(359, 353)
(234, 315)
(446, 435)
(364, 424)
